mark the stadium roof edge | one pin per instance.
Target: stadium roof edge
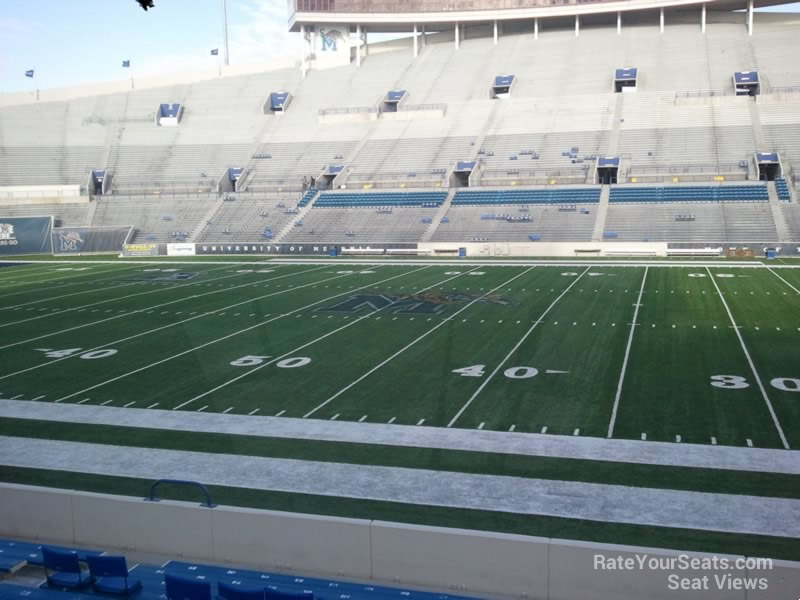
(403, 21)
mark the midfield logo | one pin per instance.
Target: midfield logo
(425, 303)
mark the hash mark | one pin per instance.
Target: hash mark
(362, 419)
(202, 409)
(227, 410)
(749, 443)
(106, 402)
(512, 428)
(421, 421)
(84, 400)
(392, 420)
(252, 412)
(129, 404)
(280, 413)
(678, 439)
(544, 429)
(153, 405)
(644, 437)
(713, 441)
(334, 417)
(481, 425)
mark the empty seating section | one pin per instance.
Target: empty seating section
(717, 193)
(47, 165)
(548, 223)
(713, 222)
(155, 218)
(389, 199)
(64, 215)
(177, 580)
(791, 214)
(249, 219)
(361, 225)
(531, 196)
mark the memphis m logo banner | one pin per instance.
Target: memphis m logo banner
(71, 241)
(330, 39)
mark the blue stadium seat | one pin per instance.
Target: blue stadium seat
(695, 193)
(109, 575)
(231, 591)
(275, 595)
(374, 200)
(63, 569)
(783, 189)
(531, 196)
(179, 588)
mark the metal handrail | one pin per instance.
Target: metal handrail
(151, 497)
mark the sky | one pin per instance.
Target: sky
(69, 42)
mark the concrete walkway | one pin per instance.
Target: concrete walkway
(596, 502)
(526, 444)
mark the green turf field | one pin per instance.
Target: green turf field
(679, 354)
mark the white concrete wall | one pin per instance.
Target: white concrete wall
(489, 565)
(552, 249)
(40, 194)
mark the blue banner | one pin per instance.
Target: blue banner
(25, 235)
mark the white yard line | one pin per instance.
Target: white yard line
(625, 360)
(730, 513)
(306, 345)
(750, 362)
(783, 280)
(233, 334)
(71, 276)
(151, 308)
(413, 343)
(514, 349)
(705, 456)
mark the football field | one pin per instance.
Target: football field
(684, 354)
(477, 369)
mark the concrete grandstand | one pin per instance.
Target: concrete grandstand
(685, 125)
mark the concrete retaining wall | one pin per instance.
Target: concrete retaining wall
(489, 565)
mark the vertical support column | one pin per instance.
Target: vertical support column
(416, 42)
(703, 20)
(366, 41)
(577, 25)
(495, 32)
(750, 17)
(619, 22)
(458, 32)
(358, 44)
(303, 50)
(662, 19)
(536, 28)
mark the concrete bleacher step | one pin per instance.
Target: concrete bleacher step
(426, 237)
(90, 212)
(602, 212)
(781, 226)
(287, 229)
(201, 226)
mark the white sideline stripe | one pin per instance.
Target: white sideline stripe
(322, 337)
(750, 362)
(514, 349)
(412, 343)
(625, 360)
(144, 332)
(230, 335)
(731, 513)
(783, 280)
(618, 450)
(150, 308)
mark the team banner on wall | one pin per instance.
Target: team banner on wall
(25, 235)
(74, 240)
(180, 250)
(140, 250)
(263, 248)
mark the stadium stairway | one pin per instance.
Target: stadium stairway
(437, 219)
(602, 211)
(781, 227)
(90, 210)
(201, 226)
(287, 229)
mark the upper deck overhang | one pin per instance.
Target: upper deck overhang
(380, 22)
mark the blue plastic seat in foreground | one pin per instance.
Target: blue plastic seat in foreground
(270, 594)
(109, 575)
(240, 592)
(67, 571)
(178, 588)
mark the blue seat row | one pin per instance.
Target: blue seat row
(13, 551)
(307, 197)
(415, 199)
(540, 196)
(697, 193)
(783, 189)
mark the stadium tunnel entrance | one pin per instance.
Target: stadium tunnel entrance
(607, 170)
(769, 166)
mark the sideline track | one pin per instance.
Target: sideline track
(733, 458)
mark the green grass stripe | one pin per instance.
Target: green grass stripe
(573, 529)
(460, 461)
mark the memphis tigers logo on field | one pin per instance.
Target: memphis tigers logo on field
(70, 241)
(426, 303)
(6, 231)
